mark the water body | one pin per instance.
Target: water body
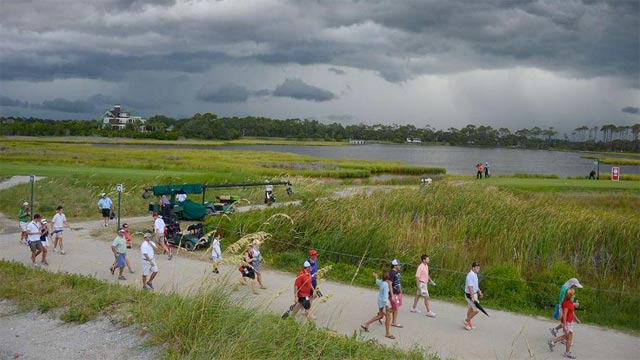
(457, 160)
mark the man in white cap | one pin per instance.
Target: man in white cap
(119, 249)
(302, 291)
(23, 219)
(158, 230)
(149, 265)
(105, 207)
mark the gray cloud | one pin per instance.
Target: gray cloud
(631, 110)
(298, 89)
(228, 93)
(91, 105)
(7, 101)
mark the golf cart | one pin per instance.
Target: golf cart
(194, 238)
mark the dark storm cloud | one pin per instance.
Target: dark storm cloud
(228, 93)
(93, 104)
(7, 101)
(631, 110)
(398, 40)
(298, 89)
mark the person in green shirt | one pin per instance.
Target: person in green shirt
(23, 217)
(119, 249)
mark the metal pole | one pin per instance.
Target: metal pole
(32, 178)
(119, 188)
(598, 169)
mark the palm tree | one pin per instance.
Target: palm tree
(635, 130)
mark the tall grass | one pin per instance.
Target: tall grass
(207, 325)
(523, 239)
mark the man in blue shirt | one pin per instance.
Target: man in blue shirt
(105, 206)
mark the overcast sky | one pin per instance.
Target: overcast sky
(442, 63)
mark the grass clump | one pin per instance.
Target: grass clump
(206, 325)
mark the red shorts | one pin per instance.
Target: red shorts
(395, 304)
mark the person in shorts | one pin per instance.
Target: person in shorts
(568, 315)
(396, 291)
(59, 223)
(105, 204)
(216, 253)
(158, 230)
(257, 258)
(44, 240)
(248, 273)
(33, 238)
(23, 220)
(149, 265)
(302, 291)
(471, 292)
(384, 305)
(119, 249)
(422, 279)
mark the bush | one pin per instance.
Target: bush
(505, 286)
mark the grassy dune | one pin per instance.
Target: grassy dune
(204, 326)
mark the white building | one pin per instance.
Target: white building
(118, 118)
(414, 140)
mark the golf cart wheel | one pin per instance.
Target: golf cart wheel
(189, 246)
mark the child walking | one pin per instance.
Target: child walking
(384, 305)
(568, 315)
(216, 253)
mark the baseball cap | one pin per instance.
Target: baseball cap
(103, 194)
(25, 203)
(147, 235)
(395, 262)
(574, 282)
(121, 230)
(43, 221)
(313, 252)
(306, 264)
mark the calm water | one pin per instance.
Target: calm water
(457, 160)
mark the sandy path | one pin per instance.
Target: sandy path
(503, 335)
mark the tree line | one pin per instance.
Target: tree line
(608, 137)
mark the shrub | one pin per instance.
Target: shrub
(505, 284)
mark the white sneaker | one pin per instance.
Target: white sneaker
(415, 311)
(431, 314)
(55, 250)
(62, 252)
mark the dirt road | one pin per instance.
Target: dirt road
(504, 335)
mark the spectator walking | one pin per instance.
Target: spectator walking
(568, 315)
(396, 291)
(422, 279)
(149, 266)
(268, 193)
(257, 258)
(471, 292)
(216, 253)
(23, 220)
(33, 238)
(119, 249)
(127, 239)
(247, 269)
(105, 204)
(384, 306)
(44, 240)
(572, 283)
(486, 170)
(59, 223)
(302, 291)
(159, 233)
(592, 175)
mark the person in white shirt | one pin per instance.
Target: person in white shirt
(33, 238)
(59, 222)
(268, 192)
(158, 229)
(149, 266)
(216, 253)
(181, 196)
(471, 292)
(257, 258)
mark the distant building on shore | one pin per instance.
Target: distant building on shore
(414, 140)
(356, 142)
(118, 118)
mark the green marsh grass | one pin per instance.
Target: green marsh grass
(206, 325)
(523, 241)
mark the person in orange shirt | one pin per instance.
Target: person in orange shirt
(480, 170)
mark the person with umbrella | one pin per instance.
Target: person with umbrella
(471, 292)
